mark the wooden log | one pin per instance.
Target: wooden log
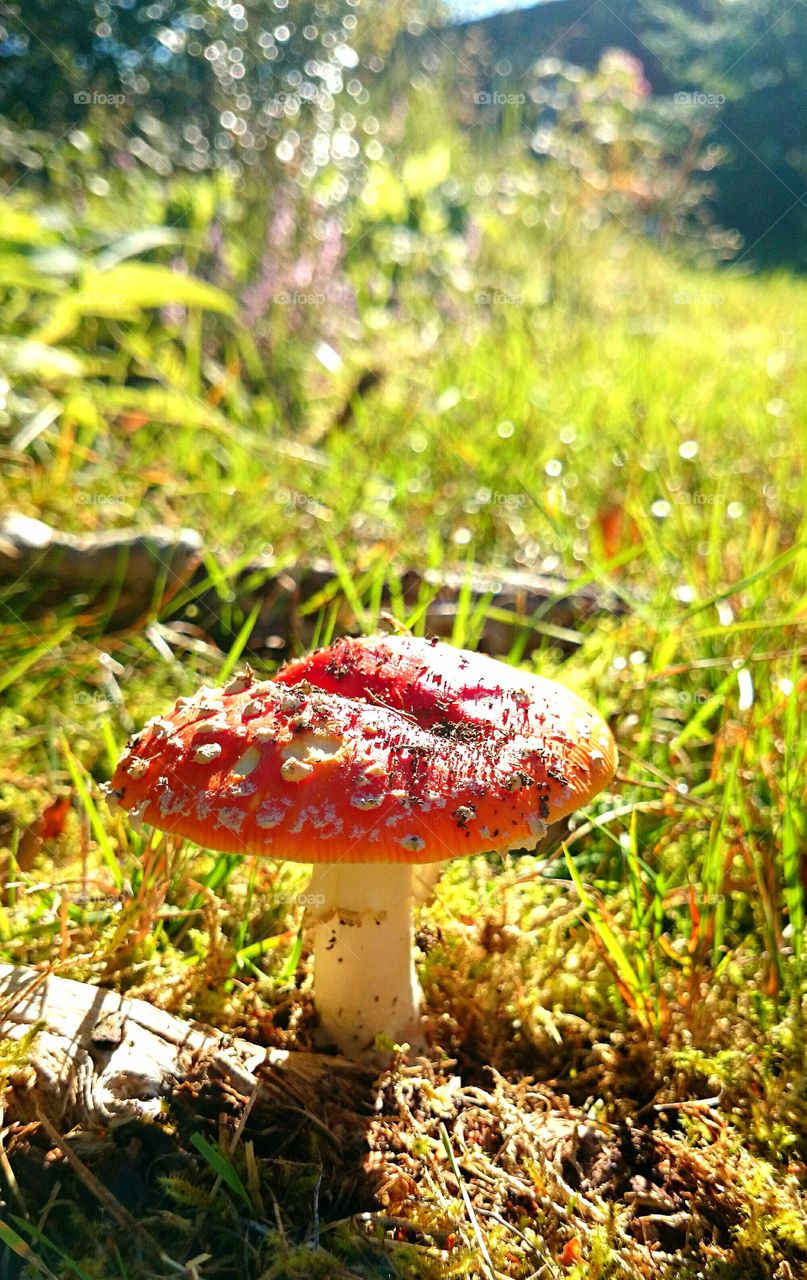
(123, 575)
(123, 571)
(95, 1057)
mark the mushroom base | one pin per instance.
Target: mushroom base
(365, 984)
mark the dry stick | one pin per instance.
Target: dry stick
(315, 1227)
(23, 993)
(8, 1172)
(238, 1132)
(513, 1229)
(105, 1197)
(239, 1129)
(700, 664)
(467, 1202)
(163, 562)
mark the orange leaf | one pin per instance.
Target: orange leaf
(572, 1252)
(53, 819)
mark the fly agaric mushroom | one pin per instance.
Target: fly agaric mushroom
(369, 759)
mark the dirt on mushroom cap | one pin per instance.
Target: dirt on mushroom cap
(418, 753)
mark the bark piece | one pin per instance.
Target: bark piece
(96, 1057)
(124, 570)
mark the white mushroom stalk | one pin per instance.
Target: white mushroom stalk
(361, 917)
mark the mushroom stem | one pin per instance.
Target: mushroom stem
(365, 982)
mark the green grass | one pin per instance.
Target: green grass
(644, 429)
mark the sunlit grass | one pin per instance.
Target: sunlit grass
(671, 465)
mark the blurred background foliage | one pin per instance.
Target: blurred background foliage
(734, 68)
(266, 90)
(302, 170)
(195, 85)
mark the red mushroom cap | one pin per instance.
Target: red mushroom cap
(390, 749)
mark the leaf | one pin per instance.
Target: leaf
(160, 405)
(18, 669)
(21, 227)
(22, 356)
(240, 643)
(290, 967)
(144, 284)
(57, 260)
(425, 171)
(218, 1161)
(40, 1238)
(19, 271)
(35, 425)
(792, 843)
(346, 581)
(88, 805)
(132, 246)
(610, 942)
(571, 1253)
(15, 1242)
(131, 287)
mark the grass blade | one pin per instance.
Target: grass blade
(105, 845)
(221, 1166)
